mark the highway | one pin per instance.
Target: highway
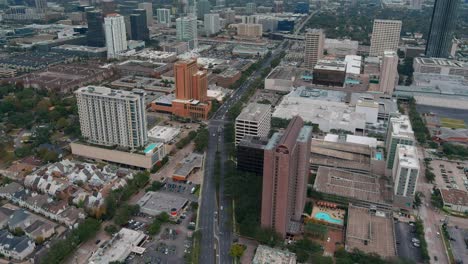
(214, 223)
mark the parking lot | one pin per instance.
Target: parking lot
(459, 247)
(404, 234)
(450, 174)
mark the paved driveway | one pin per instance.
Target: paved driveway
(405, 249)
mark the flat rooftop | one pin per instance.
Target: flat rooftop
(370, 232)
(441, 62)
(155, 203)
(119, 247)
(408, 156)
(188, 164)
(283, 73)
(254, 112)
(342, 147)
(347, 184)
(165, 133)
(331, 65)
(108, 92)
(401, 126)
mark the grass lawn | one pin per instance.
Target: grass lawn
(452, 123)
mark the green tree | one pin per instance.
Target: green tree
(237, 250)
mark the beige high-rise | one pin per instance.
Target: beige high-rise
(314, 43)
(385, 36)
(389, 72)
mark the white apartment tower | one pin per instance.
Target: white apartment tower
(406, 170)
(116, 36)
(212, 24)
(164, 16)
(389, 72)
(112, 117)
(385, 36)
(148, 7)
(186, 30)
(254, 120)
(314, 43)
(399, 132)
(250, 30)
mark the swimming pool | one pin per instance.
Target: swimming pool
(326, 217)
(378, 156)
(150, 148)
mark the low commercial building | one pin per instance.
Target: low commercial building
(142, 68)
(164, 134)
(371, 231)
(282, 78)
(456, 200)
(154, 203)
(440, 66)
(228, 77)
(254, 120)
(188, 166)
(341, 47)
(150, 54)
(249, 51)
(119, 247)
(330, 73)
(145, 83)
(153, 153)
(265, 254)
(81, 51)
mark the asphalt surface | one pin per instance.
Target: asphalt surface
(214, 222)
(459, 248)
(405, 249)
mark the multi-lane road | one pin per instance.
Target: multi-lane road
(215, 224)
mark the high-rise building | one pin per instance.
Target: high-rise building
(302, 8)
(108, 7)
(212, 24)
(220, 3)
(416, 4)
(278, 6)
(186, 29)
(95, 35)
(116, 36)
(138, 24)
(112, 117)
(41, 5)
(254, 120)
(385, 36)
(249, 30)
(229, 15)
(285, 173)
(389, 72)
(148, 7)
(250, 8)
(440, 36)
(203, 7)
(250, 154)
(314, 43)
(164, 16)
(399, 132)
(405, 170)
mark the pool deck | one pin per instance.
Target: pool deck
(333, 212)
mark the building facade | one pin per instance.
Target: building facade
(399, 132)
(314, 43)
(405, 170)
(285, 174)
(148, 7)
(112, 117)
(389, 72)
(186, 29)
(254, 120)
(385, 36)
(212, 24)
(249, 30)
(250, 154)
(443, 21)
(139, 25)
(203, 8)
(95, 35)
(116, 36)
(164, 16)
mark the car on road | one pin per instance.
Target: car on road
(416, 245)
(415, 240)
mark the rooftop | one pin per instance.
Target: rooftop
(268, 255)
(401, 126)
(408, 156)
(353, 64)
(163, 133)
(283, 73)
(108, 92)
(454, 196)
(371, 232)
(158, 202)
(347, 184)
(188, 164)
(441, 62)
(254, 112)
(331, 65)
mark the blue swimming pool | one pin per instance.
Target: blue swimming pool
(150, 147)
(379, 156)
(326, 217)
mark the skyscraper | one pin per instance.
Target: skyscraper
(212, 24)
(164, 16)
(203, 7)
(138, 23)
(399, 132)
(186, 29)
(254, 120)
(389, 72)
(439, 41)
(405, 170)
(285, 173)
(188, 85)
(385, 36)
(148, 7)
(41, 5)
(95, 36)
(108, 7)
(112, 117)
(314, 42)
(250, 8)
(116, 36)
